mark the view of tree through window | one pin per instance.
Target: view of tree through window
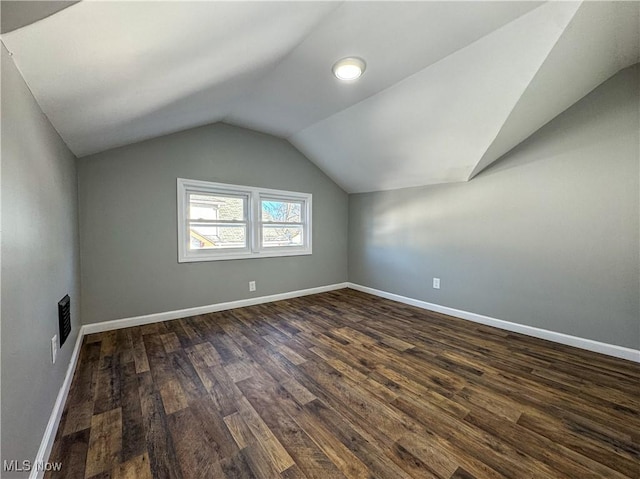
(281, 223)
(220, 221)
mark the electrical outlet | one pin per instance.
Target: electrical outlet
(252, 285)
(436, 283)
(54, 348)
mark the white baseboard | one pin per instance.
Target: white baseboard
(211, 308)
(583, 343)
(56, 414)
(54, 420)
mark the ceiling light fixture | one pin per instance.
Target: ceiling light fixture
(349, 69)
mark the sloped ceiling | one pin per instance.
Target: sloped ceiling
(449, 86)
(18, 13)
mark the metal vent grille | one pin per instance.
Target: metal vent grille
(64, 318)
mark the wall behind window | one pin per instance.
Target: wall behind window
(40, 264)
(128, 224)
(547, 237)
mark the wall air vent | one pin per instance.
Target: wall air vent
(64, 318)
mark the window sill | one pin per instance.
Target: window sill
(232, 256)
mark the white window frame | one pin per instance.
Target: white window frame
(254, 222)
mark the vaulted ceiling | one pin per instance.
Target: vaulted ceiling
(449, 86)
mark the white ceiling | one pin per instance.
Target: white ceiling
(449, 86)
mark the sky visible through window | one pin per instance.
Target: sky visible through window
(282, 223)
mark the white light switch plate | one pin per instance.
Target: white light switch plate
(54, 348)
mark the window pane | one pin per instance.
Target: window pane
(209, 207)
(282, 211)
(276, 236)
(217, 237)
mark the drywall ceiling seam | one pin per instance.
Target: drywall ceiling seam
(479, 166)
(562, 23)
(31, 92)
(40, 18)
(379, 92)
(493, 154)
(229, 121)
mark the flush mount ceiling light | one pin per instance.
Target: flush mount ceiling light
(349, 69)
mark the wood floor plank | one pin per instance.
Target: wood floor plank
(132, 420)
(158, 442)
(139, 351)
(239, 430)
(602, 452)
(196, 451)
(410, 463)
(170, 342)
(260, 462)
(108, 390)
(213, 426)
(71, 452)
(440, 459)
(239, 370)
(355, 436)
(462, 474)
(298, 391)
(344, 385)
(556, 455)
(263, 397)
(347, 462)
(193, 389)
(173, 397)
(78, 417)
(105, 442)
(237, 467)
(277, 454)
(135, 468)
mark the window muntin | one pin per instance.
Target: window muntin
(219, 221)
(282, 224)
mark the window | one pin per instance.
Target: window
(217, 221)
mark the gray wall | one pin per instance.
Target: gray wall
(40, 264)
(129, 234)
(546, 237)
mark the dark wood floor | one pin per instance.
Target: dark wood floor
(344, 384)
